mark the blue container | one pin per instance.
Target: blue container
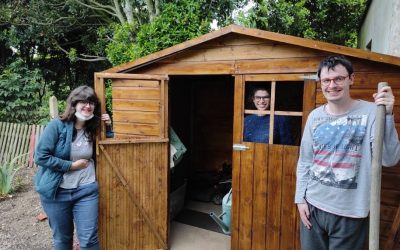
(224, 219)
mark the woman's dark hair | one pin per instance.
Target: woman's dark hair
(83, 93)
(257, 88)
(332, 61)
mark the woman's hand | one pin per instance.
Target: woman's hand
(80, 164)
(106, 118)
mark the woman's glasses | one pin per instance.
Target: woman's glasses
(84, 103)
(259, 98)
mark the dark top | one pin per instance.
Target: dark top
(256, 129)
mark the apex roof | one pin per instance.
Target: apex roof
(276, 37)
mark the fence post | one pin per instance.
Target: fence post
(53, 105)
(31, 145)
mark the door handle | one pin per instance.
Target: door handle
(240, 147)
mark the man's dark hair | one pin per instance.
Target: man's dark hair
(332, 61)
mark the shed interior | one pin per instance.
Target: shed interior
(201, 114)
(201, 111)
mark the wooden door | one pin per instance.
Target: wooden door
(264, 213)
(132, 168)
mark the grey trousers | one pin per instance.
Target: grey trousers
(333, 232)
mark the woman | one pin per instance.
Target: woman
(66, 178)
(256, 127)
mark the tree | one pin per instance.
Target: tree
(51, 43)
(62, 43)
(126, 11)
(131, 11)
(178, 21)
(81, 29)
(5, 51)
(334, 21)
(55, 38)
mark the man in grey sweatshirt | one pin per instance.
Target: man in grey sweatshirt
(334, 167)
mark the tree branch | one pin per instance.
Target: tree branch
(53, 21)
(136, 13)
(157, 7)
(84, 57)
(119, 12)
(100, 7)
(150, 8)
(128, 10)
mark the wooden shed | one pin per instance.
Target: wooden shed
(200, 88)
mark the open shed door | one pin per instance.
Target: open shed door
(132, 168)
(263, 178)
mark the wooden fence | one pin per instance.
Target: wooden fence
(19, 139)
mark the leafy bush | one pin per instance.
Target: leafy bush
(122, 48)
(20, 90)
(335, 21)
(109, 97)
(7, 173)
(178, 22)
(44, 109)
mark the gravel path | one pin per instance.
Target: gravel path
(19, 227)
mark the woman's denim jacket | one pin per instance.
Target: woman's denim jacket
(52, 155)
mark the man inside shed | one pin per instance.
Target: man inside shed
(334, 167)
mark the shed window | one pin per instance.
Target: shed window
(273, 106)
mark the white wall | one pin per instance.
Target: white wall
(382, 27)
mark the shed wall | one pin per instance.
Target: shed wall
(239, 55)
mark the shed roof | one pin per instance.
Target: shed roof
(271, 36)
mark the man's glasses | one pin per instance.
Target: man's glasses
(259, 98)
(84, 103)
(339, 80)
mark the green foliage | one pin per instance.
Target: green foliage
(72, 54)
(222, 10)
(50, 39)
(335, 21)
(20, 93)
(108, 97)
(121, 49)
(44, 109)
(7, 173)
(178, 22)
(53, 36)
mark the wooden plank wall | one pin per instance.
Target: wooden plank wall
(144, 166)
(136, 108)
(17, 140)
(267, 215)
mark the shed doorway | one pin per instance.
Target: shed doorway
(201, 116)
